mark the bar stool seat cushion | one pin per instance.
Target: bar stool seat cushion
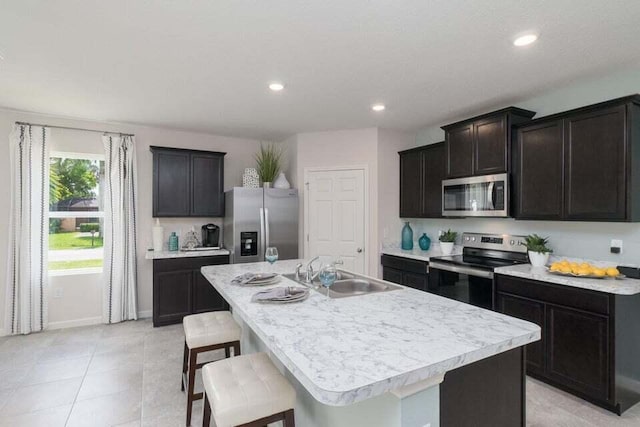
(246, 388)
(205, 329)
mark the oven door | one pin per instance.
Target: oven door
(465, 284)
(476, 196)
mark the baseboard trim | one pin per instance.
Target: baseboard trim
(63, 324)
(145, 314)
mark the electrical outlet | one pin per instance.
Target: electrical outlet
(616, 246)
(58, 293)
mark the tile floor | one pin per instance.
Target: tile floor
(128, 375)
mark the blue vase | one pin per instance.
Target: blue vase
(425, 242)
(407, 237)
(173, 242)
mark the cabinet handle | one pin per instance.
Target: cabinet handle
(359, 250)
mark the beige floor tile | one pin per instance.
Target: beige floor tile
(106, 411)
(110, 382)
(68, 351)
(13, 377)
(52, 417)
(133, 423)
(112, 361)
(132, 343)
(42, 396)
(55, 370)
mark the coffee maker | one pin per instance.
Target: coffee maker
(210, 236)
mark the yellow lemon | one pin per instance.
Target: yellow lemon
(584, 271)
(574, 265)
(564, 262)
(575, 270)
(600, 272)
(565, 269)
(613, 272)
(585, 265)
(555, 267)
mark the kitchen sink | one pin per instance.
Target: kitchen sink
(348, 285)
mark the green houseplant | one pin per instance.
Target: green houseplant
(268, 162)
(537, 249)
(447, 239)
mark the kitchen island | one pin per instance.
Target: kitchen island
(402, 358)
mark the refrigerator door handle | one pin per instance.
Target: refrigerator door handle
(266, 228)
(261, 240)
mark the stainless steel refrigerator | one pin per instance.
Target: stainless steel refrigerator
(256, 218)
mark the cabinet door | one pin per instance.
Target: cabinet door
(416, 281)
(205, 297)
(171, 183)
(532, 311)
(410, 180)
(208, 179)
(459, 147)
(172, 297)
(490, 146)
(578, 351)
(392, 275)
(539, 170)
(595, 172)
(433, 172)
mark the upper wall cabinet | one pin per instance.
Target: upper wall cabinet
(583, 164)
(187, 183)
(422, 170)
(482, 145)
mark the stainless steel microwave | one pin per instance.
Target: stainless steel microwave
(479, 196)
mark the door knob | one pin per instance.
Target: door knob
(359, 250)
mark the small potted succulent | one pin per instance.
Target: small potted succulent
(447, 239)
(538, 249)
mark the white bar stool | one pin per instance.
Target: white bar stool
(246, 391)
(206, 332)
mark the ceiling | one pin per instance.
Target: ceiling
(205, 65)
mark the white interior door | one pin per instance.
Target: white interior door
(336, 216)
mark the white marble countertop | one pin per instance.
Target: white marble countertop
(184, 254)
(419, 254)
(611, 286)
(350, 349)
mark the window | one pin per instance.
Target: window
(76, 213)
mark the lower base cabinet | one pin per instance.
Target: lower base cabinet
(407, 272)
(589, 346)
(179, 289)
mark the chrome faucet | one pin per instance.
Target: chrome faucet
(309, 276)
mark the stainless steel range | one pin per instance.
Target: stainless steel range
(469, 277)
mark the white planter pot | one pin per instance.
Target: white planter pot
(538, 259)
(446, 247)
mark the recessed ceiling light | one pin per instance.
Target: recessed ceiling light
(378, 107)
(525, 39)
(276, 86)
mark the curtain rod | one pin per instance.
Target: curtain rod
(72, 128)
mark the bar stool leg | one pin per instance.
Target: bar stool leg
(227, 352)
(193, 357)
(236, 348)
(289, 419)
(185, 359)
(206, 417)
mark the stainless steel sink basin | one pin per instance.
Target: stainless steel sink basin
(348, 285)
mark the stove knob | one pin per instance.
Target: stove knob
(466, 238)
(512, 242)
(473, 239)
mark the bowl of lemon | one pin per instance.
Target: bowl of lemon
(584, 269)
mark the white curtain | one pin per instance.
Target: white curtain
(120, 265)
(26, 300)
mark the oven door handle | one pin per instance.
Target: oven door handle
(459, 269)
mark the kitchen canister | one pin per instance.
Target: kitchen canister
(250, 178)
(281, 182)
(407, 237)
(158, 236)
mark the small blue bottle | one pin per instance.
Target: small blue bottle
(425, 242)
(407, 237)
(173, 242)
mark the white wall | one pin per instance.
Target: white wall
(66, 310)
(580, 239)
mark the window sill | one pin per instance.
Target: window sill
(75, 271)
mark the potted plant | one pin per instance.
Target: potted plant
(538, 249)
(447, 239)
(268, 163)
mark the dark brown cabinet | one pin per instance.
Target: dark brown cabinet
(403, 271)
(589, 339)
(422, 170)
(187, 183)
(582, 164)
(179, 289)
(482, 145)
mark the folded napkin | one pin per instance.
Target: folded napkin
(247, 278)
(280, 294)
